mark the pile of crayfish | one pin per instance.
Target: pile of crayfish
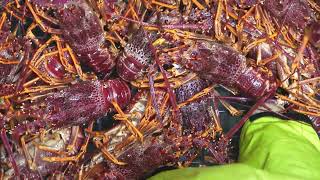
(114, 89)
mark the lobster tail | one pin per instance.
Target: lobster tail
(128, 69)
(138, 54)
(83, 31)
(253, 84)
(117, 91)
(101, 61)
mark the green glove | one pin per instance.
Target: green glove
(270, 148)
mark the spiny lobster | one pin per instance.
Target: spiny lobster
(77, 104)
(222, 64)
(82, 29)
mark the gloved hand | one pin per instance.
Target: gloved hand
(270, 148)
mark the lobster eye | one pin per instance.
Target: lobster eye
(193, 54)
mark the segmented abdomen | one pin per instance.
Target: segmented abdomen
(137, 56)
(83, 31)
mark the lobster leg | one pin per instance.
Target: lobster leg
(205, 92)
(233, 111)
(215, 114)
(63, 60)
(314, 5)
(74, 137)
(44, 16)
(168, 87)
(147, 124)
(240, 22)
(310, 109)
(41, 49)
(4, 103)
(17, 3)
(77, 157)
(199, 5)
(70, 147)
(3, 19)
(265, 20)
(175, 81)
(133, 11)
(12, 13)
(127, 121)
(31, 35)
(101, 146)
(235, 128)
(26, 153)
(149, 113)
(8, 148)
(107, 154)
(270, 33)
(257, 42)
(45, 148)
(5, 61)
(76, 63)
(24, 68)
(263, 62)
(217, 22)
(43, 27)
(152, 92)
(296, 62)
(34, 93)
(169, 6)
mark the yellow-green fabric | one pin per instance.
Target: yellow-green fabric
(270, 148)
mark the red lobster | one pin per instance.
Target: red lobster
(78, 104)
(222, 64)
(82, 29)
